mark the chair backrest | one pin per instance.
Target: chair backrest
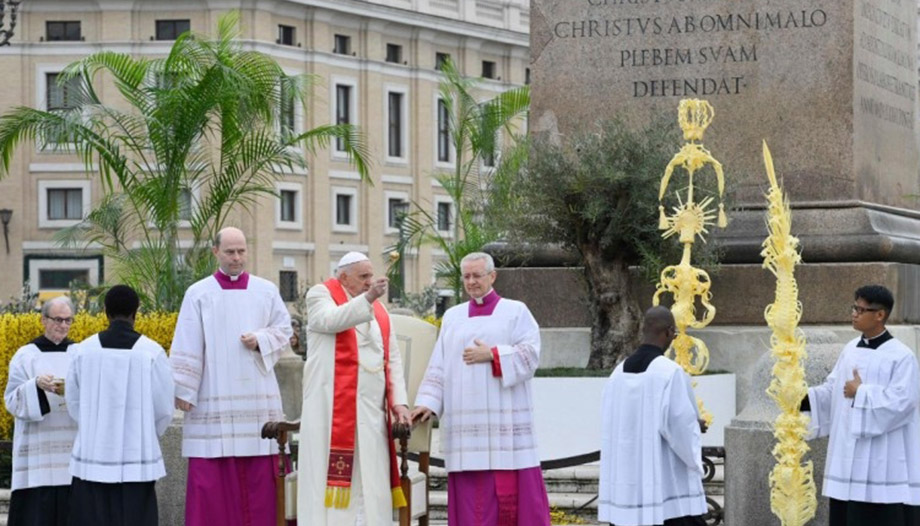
(416, 342)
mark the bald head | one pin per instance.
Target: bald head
(658, 327)
(227, 234)
(230, 250)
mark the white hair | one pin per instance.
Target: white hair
(476, 256)
(46, 307)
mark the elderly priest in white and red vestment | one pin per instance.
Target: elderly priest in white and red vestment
(353, 392)
(478, 383)
(651, 454)
(43, 432)
(119, 389)
(231, 330)
(869, 407)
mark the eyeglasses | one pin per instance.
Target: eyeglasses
(477, 277)
(60, 321)
(859, 310)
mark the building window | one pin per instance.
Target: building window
(488, 69)
(488, 156)
(444, 216)
(287, 285)
(342, 45)
(62, 278)
(342, 111)
(62, 203)
(53, 276)
(397, 208)
(440, 59)
(65, 203)
(286, 35)
(61, 96)
(288, 205)
(185, 205)
(288, 212)
(526, 75)
(394, 53)
(443, 132)
(171, 29)
(345, 209)
(287, 114)
(395, 124)
(57, 31)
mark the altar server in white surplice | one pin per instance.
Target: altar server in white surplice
(478, 383)
(119, 389)
(353, 391)
(231, 330)
(651, 453)
(869, 407)
(43, 433)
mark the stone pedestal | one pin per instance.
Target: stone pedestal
(749, 441)
(831, 85)
(740, 292)
(171, 488)
(289, 371)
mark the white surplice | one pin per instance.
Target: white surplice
(874, 449)
(651, 456)
(486, 421)
(371, 473)
(122, 400)
(41, 443)
(233, 389)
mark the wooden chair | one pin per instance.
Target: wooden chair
(416, 342)
(281, 431)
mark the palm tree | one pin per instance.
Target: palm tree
(201, 136)
(474, 130)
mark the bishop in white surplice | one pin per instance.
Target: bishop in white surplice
(651, 453)
(231, 330)
(43, 433)
(870, 407)
(478, 383)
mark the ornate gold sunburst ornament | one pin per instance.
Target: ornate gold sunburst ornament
(792, 483)
(690, 219)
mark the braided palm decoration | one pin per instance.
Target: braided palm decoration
(690, 219)
(792, 484)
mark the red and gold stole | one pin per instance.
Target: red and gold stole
(344, 408)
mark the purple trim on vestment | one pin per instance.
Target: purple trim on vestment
(231, 491)
(489, 301)
(228, 283)
(497, 498)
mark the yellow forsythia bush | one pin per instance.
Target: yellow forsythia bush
(434, 320)
(17, 330)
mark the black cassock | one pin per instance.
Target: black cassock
(638, 362)
(44, 505)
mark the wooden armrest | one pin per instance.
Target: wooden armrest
(276, 430)
(402, 431)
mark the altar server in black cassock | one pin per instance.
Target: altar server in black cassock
(651, 455)
(43, 434)
(869, 407)
(120, 391)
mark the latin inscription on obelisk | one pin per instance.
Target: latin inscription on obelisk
(831, 84)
